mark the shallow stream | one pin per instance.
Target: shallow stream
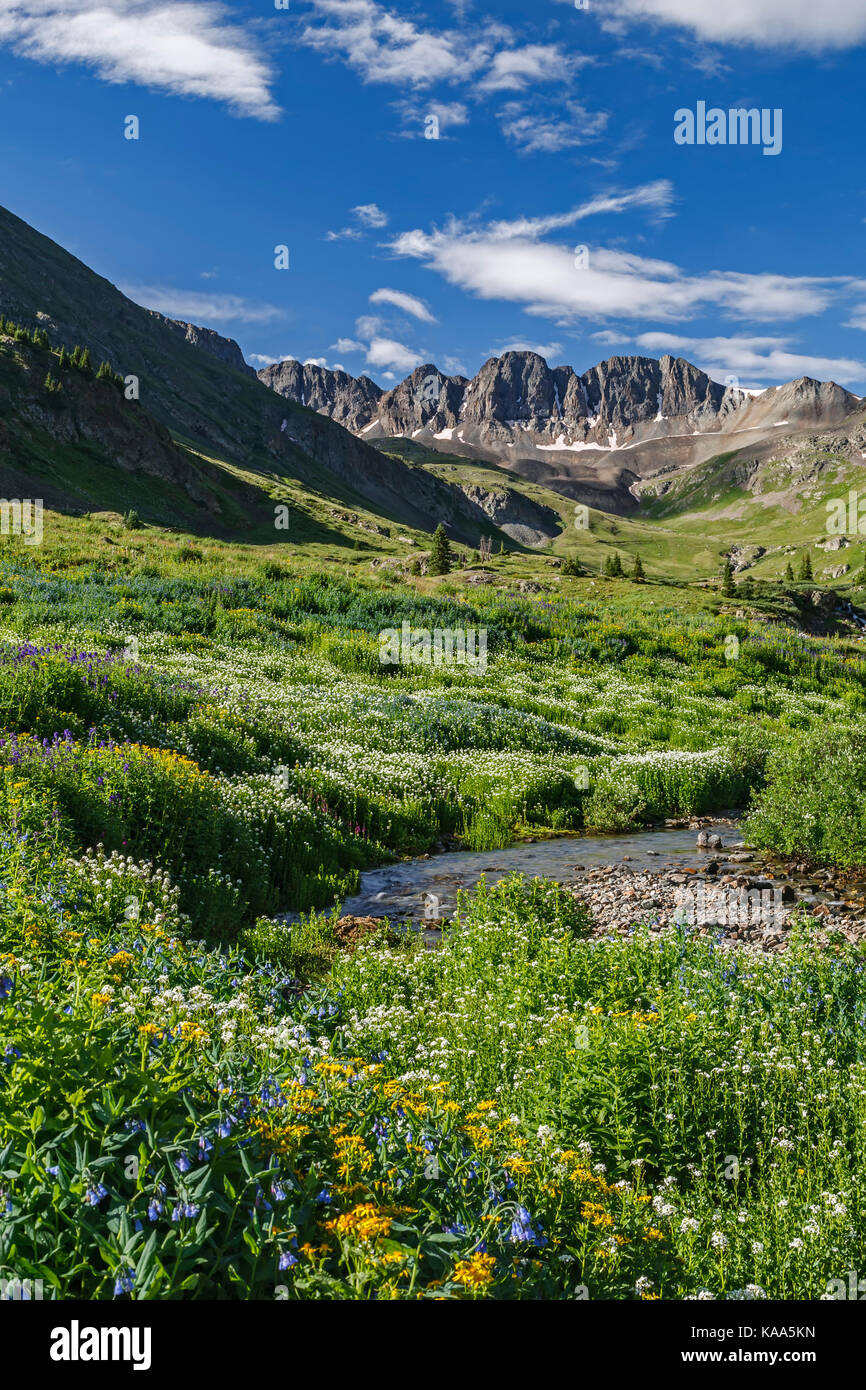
(426, 888)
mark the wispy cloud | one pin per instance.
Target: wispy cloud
(407, 302)
(485, 58)
(534, 131)
(545, 350)
(510, 261)
(415, 114)
(655, 198)
(367, 217)
(513, 69)
(267, 359)
(189, 49)
(195, 306)
(370, 215)
(382, 47)
(760, 359)
(345, 345)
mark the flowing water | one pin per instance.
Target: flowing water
(426, 888)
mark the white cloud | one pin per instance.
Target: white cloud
(382, 47)
(368, 326)
(370, 215)
(414, 115)
(545, 350)
(484, 58)
(315, 362)
(507, 261)
(347, 345)
(656, 198)
(387, 352)
(546, 133)
(188, 49)
(345, 234)
(454, 366)
(858, 316)
(198, 307)
(834, 24)
(513, 69)
(268, 359)
(763, 359)
(407, 302)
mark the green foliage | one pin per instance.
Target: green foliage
(813, 806)
(440, 553)
(275, 1092)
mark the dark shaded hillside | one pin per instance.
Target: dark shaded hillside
(196, 385)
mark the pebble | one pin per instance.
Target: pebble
(620, 898)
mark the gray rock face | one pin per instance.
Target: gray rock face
(425, 400)
(517, 401)
(225, 349)
(351, 401)
(525, 521)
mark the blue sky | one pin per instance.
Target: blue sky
(305, 127)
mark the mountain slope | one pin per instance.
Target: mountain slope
(196, 384)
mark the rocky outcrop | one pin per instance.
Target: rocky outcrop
(224, 349)
(523, 520)
(351, 401)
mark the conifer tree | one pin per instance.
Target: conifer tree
(806, 569)
(637, 573)
(440, 553)
(728, 578)
(789, 573)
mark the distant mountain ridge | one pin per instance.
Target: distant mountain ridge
(592, 435)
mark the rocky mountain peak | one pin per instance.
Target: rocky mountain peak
(225, 349)
(351, 401)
